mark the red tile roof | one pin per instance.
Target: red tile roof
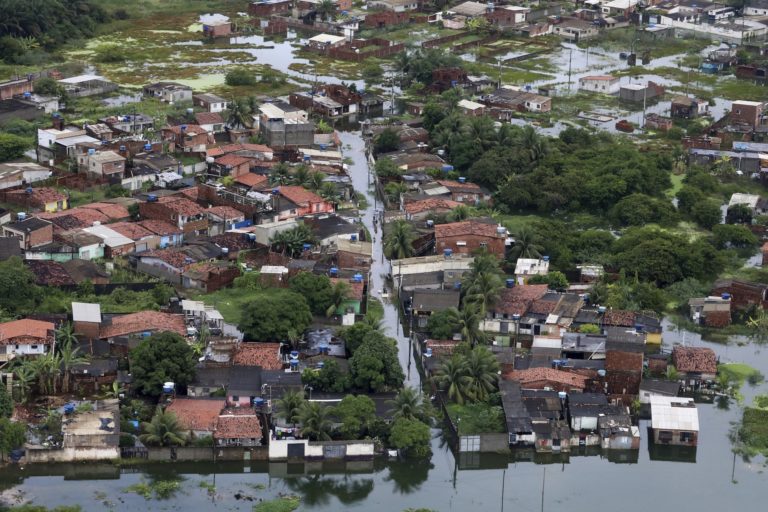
(233, 160)
(131, 230)
(426, 205)
(542, 307)
(172, 256)
(238, 426)
(533, 375)
(143, 321)
(619, 317)
(623, 361)
(225, 212)
(252, 180)
(111, 210)
(517, 300)
(208, 118)
(191, 128)
(49, 273)
(197, 414)
(232, 148)
(34, 330)
(160, 227)
(75, 218)
(442, 347)
(264, 355)
(355, 289)
(465, 228)
(456, 186)
(300, 195)
(181, 205)
(694, 359)
(43, 195)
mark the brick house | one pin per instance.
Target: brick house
(25, 337)
(106, 164)
(711, 311)
(15, 87)
(307, 202)
(232, 165)
(266, 8)
(31, 232)
(135, 325)
(209, 276)
(43, 198)
(695, 364)
(189, 138)
(178, 211)
(468, 236)
(747, 112)
(238, 427)
(743, 294)
(217, 29)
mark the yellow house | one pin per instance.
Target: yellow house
(43, 198)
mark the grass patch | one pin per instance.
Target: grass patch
(677, 184)
(477, 418)
(282, 504)
(161, 489)
(739, 372)
(752, 435)
(229, 302)
(516, 222)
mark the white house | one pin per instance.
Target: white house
(605, 84)
(25, 337)
(527, 267)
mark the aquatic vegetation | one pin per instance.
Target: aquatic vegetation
(287, 503)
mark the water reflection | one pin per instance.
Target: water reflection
(408, 476)
(318, 489)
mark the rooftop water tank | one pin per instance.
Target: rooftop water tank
(334, 271)
(428, 352)
(122, 148)
(562, 395)
(321, 365)
(183, 127)
(430, 223)
(69, 408)
(168, 387)
(147, 147)
(258, 401)
(510, 283)
(358, 278)
(294, 354)
(545, 258)
(353, 238)
(601, 373)
(724, 296)
(21, 216)
(151, 198)
(501, 230)
(601, 309)
(27, 94)
(307, 158)
(447, 253)
(225, 250)
(462, 179)
(91, 152)
(252, 237)
(447, 168)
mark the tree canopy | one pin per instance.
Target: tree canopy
(375, 365)
(271, 316)
(316, 290)
(162, 357)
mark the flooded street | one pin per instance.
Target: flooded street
(354, 148)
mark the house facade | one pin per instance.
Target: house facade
(25, 337)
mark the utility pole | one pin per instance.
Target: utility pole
(570, 60)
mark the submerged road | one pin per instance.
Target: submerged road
(354, 148)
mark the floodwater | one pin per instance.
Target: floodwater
(710, 478)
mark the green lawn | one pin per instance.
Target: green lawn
(740, 372)
(677, 184)
(477, 418)
(229, 302)
(515, 222)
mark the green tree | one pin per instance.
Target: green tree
(12, 435)
(408, 404)
(238, 114)
(526, 245)
(482, 290)
(394, 191)
(163, 430)
(739, 214)
(316, 290)
(240, 77)
(69, 353)
(442, 324)
(162, 357)
(340, 293)
(688, 197)
(736, 236)
(270, 316)
(452, 378)
(386, 141)
(355, 412)
(290, 405)
(459, 213)
(641, 209)
(326, 9)
(398, 242)
(315, 421)
(374, 366)
(482, 374)
(18, 292)
(291, 241)
(330, 378)
(555, 280)
(412, 437)
(6, 402)
(707, 213)
(372, 74)
(354, 335)
(589, 329)
(386, 168)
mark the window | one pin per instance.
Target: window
(686, 437)
(461, 243)
(235, 398)
(483, 244)
(34, 347)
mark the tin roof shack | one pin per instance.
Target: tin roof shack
(605, 84)
(283, 125)
(329, 100)
(617, 432)
(214, 29)
(656, 122)
(548, 378)
(711, 311)
(15, 174)
(695, 365)
(24, 338)
(743, 294)
(575, 30)
(639, 93)
(90, 435)
(466, 237)
(683, 107)
(169, 92)
(15, 87)
(266, 8)
(30, 231)
(656, 387)
(674, 421)
(518, 419)
(465, 192)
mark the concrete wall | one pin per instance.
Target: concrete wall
(209, 453)
(71, 454)
(278, 449)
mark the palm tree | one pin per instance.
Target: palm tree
(526, 245)
(300, 176)
(114, 390)
(480, 131)
(280, 174)
(69, 356)
(326, 9)
(340, 293)
(398, 243)
(164, 430)
(468, 323)
(329, 192)
(407, 404)
(374, 321)
(394, 191)
(534, 145)
(483, 291)
(315, 180)
(290, 405)
(459, 213)
(452, 378)
(482, 373)
(315, 422)
(23, 377)
(46, 368)
(238, 114)
(291, 241)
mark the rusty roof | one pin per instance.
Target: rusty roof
(425, 205)
(252, 180)
(208, 118)
(457, 186)
(694, 359)
(619, 317)
(355, 289)
(131, 230)
(26, 328)
(533, 375)
(143, 321)
(49, 273)
(466, 228)
(238, 426)
(517, 300)
(265, 355)
(233, 160)
(42, 195)
(111, 210)
(299, 195)
(623, 361)
(181, 205)
(159, 227)
(199, 414)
